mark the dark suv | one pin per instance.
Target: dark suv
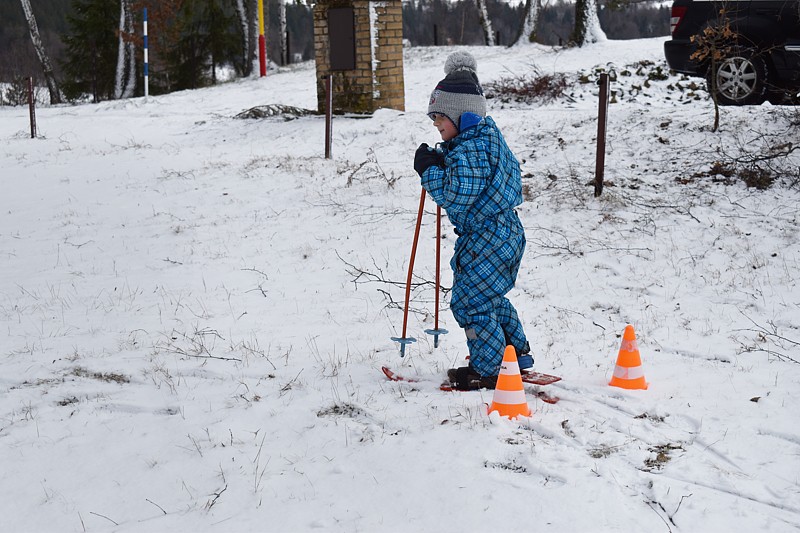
(756, 52)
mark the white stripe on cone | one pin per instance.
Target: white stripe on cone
(509, 368)
(628, 373)
(509, 397)
(629, 346)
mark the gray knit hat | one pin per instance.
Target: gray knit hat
(459, 92)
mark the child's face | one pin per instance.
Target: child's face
(446, 128)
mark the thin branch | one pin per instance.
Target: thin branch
(211, 503)
(154, 503)
(103, 516)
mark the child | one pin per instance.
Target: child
(475, 177)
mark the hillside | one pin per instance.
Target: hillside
(196, 308)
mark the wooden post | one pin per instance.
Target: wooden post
(32, 107)
(602, 123)
(328, 114)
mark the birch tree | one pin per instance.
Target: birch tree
(44, 59)
(486, 23)
(283, 38)
(527, 31)
(126, 59)
(587, 24)
(248, 18)
(241, 12)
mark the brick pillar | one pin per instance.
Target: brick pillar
(377, 79)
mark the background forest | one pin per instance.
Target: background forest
(195, 43)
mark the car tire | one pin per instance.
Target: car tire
(739, 79)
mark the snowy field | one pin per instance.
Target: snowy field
(195, 309)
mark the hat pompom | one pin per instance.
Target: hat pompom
(460, 60)
(460, 91)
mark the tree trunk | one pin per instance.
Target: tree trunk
(248, 18)
(527, 31)
(126, 61)
(486, 24)
(587, 24)
(283, 37)
(44, 60)
(713, 90)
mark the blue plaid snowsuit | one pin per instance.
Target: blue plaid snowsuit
(479, 187)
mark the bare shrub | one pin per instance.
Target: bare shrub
(728, 172)
(757, 177)
(286, 112)
(529, 87)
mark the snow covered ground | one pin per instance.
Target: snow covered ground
(195, 309)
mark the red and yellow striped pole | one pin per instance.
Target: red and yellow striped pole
(262, 41)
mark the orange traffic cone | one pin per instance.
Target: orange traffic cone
(628, 373)
(509, 395)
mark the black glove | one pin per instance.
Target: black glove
(425, 158)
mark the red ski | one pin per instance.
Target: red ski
(397, 377)
(534, 378)
(537, 378)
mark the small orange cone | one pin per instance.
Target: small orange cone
(628, 373)
(509, 395)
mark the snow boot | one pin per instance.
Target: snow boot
(524, 358)
(465, 378)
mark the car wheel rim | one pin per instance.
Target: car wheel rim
(736, 78)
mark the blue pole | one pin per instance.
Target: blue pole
(146, 61)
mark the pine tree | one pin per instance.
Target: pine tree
(300, 26)
(208, 37)
(222, 35)
(188, 62)
(92, 47)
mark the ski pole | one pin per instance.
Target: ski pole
(408, 340)
(437, 331)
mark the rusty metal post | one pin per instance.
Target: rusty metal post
(32, 107)
(602, 124)
(328, 114)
